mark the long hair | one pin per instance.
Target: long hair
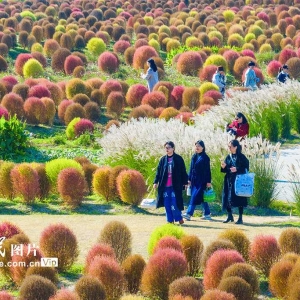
(235, 143)
(201, 143)
(152, 64)
(240, 115)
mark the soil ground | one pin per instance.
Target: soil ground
(87, 228)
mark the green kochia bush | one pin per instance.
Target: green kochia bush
(33, 68)
(70, 130)
(54, 167)
(13, 139)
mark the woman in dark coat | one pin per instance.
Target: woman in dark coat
(199, 180)
(235, 163)
(170, 179)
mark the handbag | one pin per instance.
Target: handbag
(244, 184)
(209, 195)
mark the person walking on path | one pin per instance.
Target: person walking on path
(152, 75)
(283, 75)
(239, 127)
(219, 79)
(170, 179)
(235, 163)
(199, 180)
(251, 79)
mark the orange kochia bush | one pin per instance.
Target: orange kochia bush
(189, 63)
(108, 62)
(135, 95)
(155, 99)
(141, 55)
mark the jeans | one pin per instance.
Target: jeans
(172, 211)
(191, 209)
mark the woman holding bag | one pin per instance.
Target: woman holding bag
(199, 180)
(235, 163)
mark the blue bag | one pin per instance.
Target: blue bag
(244, 185)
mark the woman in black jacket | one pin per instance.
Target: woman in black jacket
(199, 180)
(235, 163)
(170, 179)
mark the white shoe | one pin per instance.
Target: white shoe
(206, 217)
(186, 216)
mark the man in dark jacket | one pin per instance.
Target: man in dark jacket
(170, 179)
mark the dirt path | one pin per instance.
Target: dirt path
(87, 228)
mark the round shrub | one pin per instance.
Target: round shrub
(207, 86)
(240, 65)
(21, 59)
(100, 180)
(290, 256)
(50, 46)
(46, 272)
(44, 184)
(192, 249)
(236, 286)
(96, 46)
(108, 62)
(168, 242)
(88, 287)
(163, 268)
(25, 182)
(115, 104)
(58, 59)
(8, 229)
(128, 55)
(33, 68)
(286, 54)
(109, 86)
(98, 250)
(21, 89)
(92, 111)
(273, 68)
(3, 64)
(289, 240)
(131, 187)
(113, 179)
(216, 265)
(206, 73)
(6, 185)
(71, 186)
(74, 110)
(54, 167)
(5, 296)
(191, 97)
(120, 46)
(186, 287)
(217, 60)
(278, 278)
(168, 113)
(142, 111)
(161, 231)
(62, 107)
(155, 99)
(217, 294)
(189, 63)
(110, 274)
(135, 95)
(82, 99)
(294, 67)
(34, 110)
(49, 110)
(75, 86)
(4, 113)
(246, 272)
(71, 62)
(239, 239)
(14, 104)
(118, 236)
(64, 294)
(264, 252)
(39, 91)
(141, 55)
(70, 130)
(175, 99)
(82, 126)
(57, 92)
(36, 287)
(57, 240)
(215, 95)
(133, 267)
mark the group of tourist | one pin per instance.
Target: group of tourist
(219, 78)
(171, 178)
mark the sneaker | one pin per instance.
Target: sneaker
(206, 217)
(181, 222)
(187, 217)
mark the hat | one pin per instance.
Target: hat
(220, 68)
(251, 63)
(285, 67)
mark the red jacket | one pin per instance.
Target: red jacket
(242, 129)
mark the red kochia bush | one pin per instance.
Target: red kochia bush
(286, 54)
(131, 186)
(135, 94)
(162, 269)
(185, 116)
(217, 294)
(9, 81)
(62, 107)
(155, 99)
(9, 229)
(39, 91)
(5, 296)
(71, 186)
(216, 95)
(34, 110)
(120, 46)
(264, 252)
(99, 249)
(25, 182)
(186, 287)
(206, 74)
(141, 55)
(57, 240)
(231, 56)
(14, 104)
(110, 274)
(133, 267)
(64, 294)
(83, 126)
(108, 62)
(115, 104)
(4, 113)
(189, 63)
(216, 264)
(248, 52)
(175, 99)
(273, 68)
(20, 62)
(71, 62)
(109, 86)
(168, 242)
